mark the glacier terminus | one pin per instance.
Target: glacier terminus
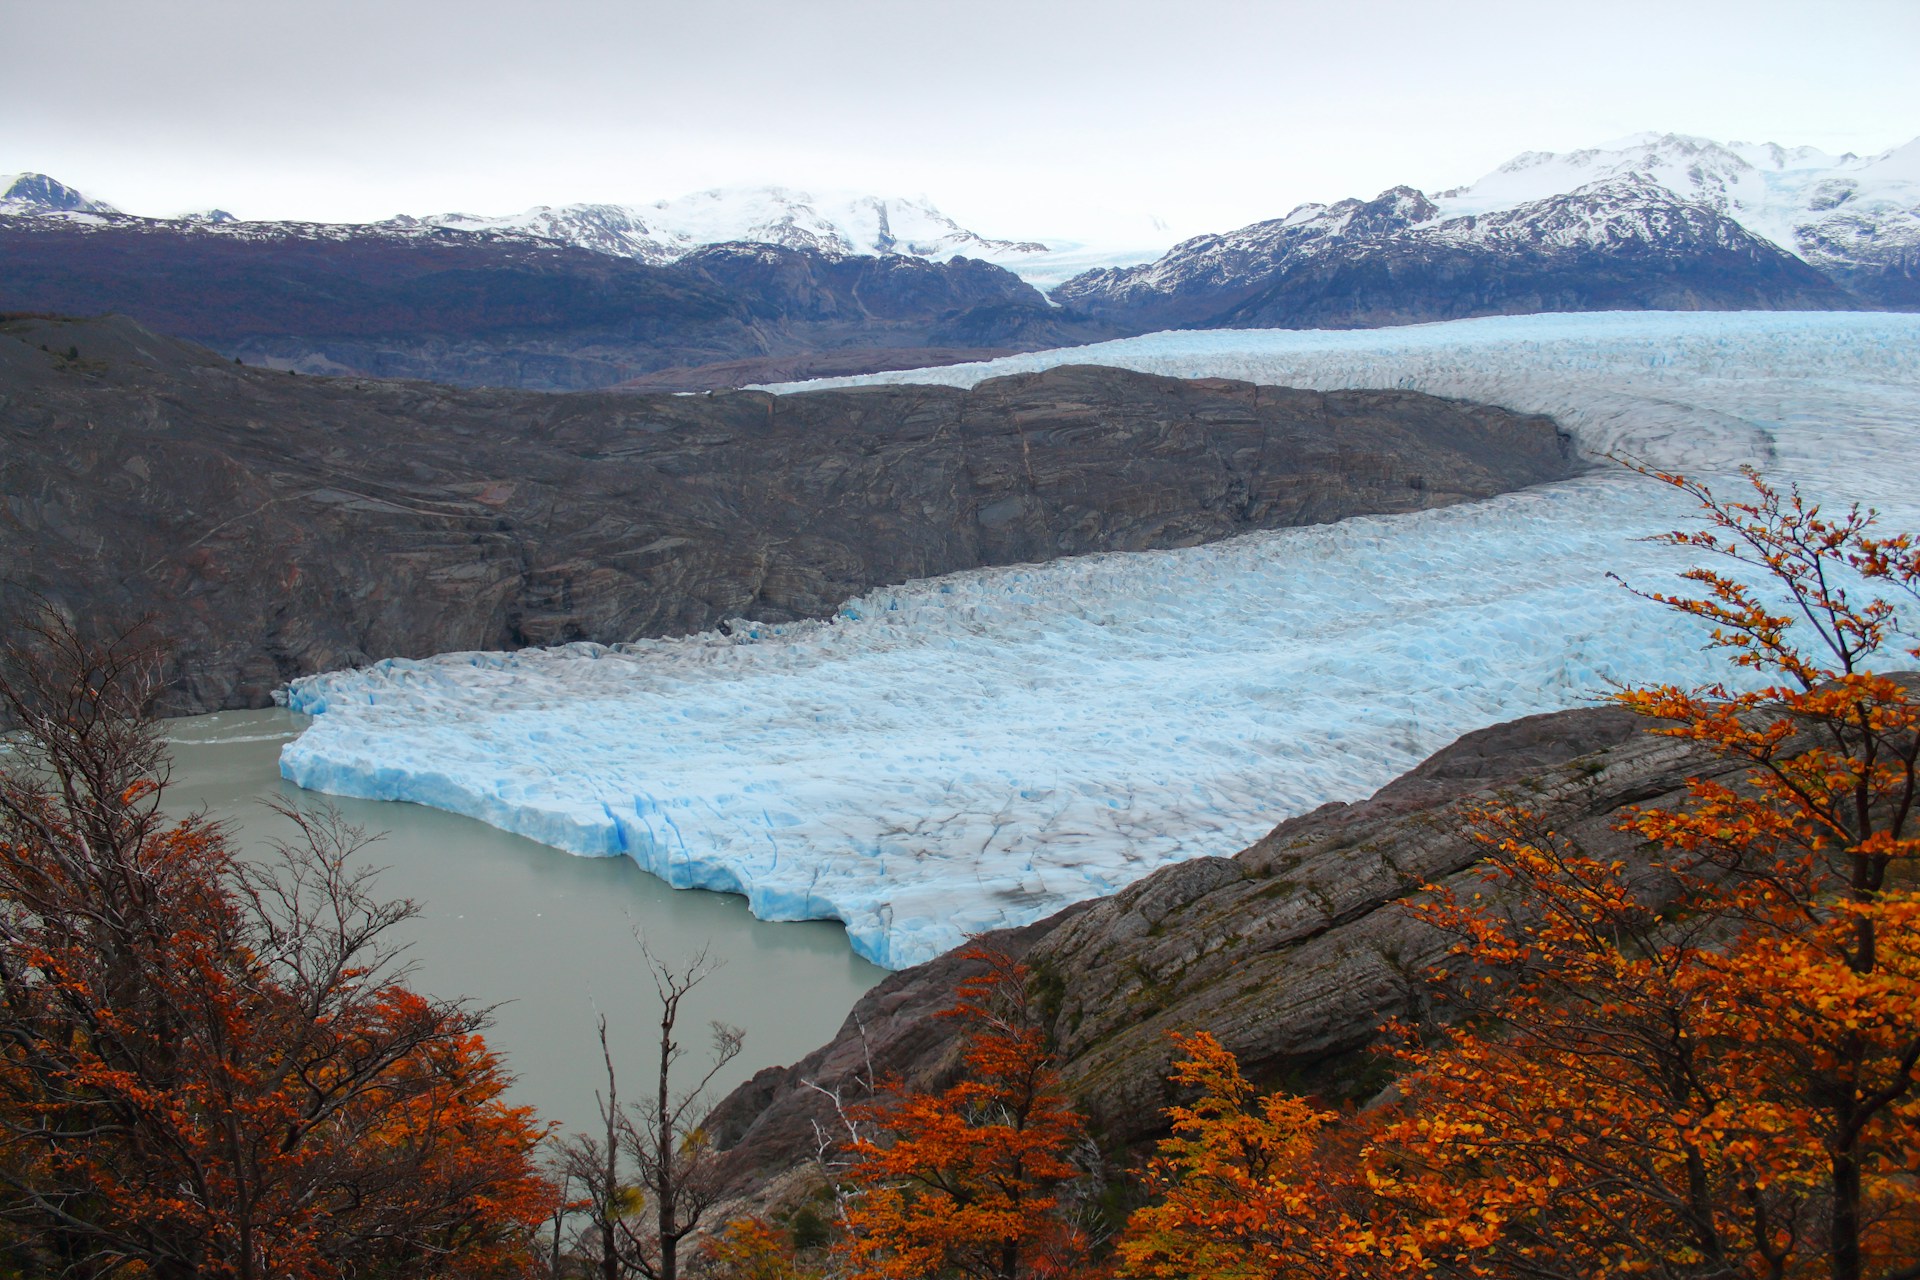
(972, 752)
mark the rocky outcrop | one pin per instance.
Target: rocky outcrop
(1292, 952)
(278, 525)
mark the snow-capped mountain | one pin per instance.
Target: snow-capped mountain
(836, 225)
(841, 224)
(1633, 218)
(491, 306)
(30, 194)
(1853, 217)
(1661, 221)
(1623, 242)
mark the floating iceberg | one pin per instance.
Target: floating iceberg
(976, 751)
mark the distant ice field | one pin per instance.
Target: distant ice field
(979, 750)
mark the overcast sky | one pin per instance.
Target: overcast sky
(1028, 118)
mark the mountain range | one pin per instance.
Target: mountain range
(486, 307)
(1665, 221)
(835, 224)
(731, 286)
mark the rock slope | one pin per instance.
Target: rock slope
(1292, 952)
(279, 525)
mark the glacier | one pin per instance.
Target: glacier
(977, 751)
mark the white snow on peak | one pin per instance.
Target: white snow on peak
(1603, 213)
(980, 750)
(1901, 164)
(845, 222)
(35, 194)
(1819, 206)
(1694, 168)
(1771, 155)
(835, 223)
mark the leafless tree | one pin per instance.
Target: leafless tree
(634, 1224)
(832, 1141)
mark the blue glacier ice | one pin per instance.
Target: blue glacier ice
(975, 751)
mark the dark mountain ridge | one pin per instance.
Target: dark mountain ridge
(472, 308)
(277, 525)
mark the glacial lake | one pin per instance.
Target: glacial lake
(546, 938)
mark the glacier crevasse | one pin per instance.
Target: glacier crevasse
(977, 751)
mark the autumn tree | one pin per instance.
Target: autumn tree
(967, 1182)
(1716, 1077)
(751, 1249)
(1245, 1187)
(1814, 855)
(1590, 1116)
(1701, 1064)
(211, 1066)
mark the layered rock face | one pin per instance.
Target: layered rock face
(277, 525)
(1292, 952)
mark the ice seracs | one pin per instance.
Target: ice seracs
(964, 753)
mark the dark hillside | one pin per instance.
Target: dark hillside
(281, 524)
(473, 310)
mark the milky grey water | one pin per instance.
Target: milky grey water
(545, 936)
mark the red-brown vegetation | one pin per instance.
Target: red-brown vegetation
(1703, 1066)
(210, 1066)
(966, 1182)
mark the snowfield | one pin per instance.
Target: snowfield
(977, 751)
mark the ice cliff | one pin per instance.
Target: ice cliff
(976, 751)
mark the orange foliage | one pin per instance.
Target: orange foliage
(965, 1181)
(750, 1249)
(208, 1067)
(1713, 1074)
(1244, 1183)
(1705, 1067)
